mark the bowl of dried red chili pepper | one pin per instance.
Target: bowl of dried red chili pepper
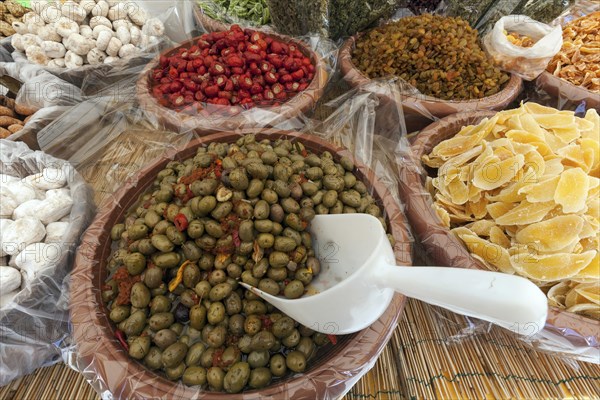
(231, 79)
(107, 350)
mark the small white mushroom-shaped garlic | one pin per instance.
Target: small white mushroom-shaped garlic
(137, 14)
(114, 45)
(101, 28)
(22, 233)
(48, 32)
(20, 27)
(110, 60)
(57, 63)
(38, 5)
(154, 27)
(128, 50)
(136, 35)
(36, 55)
(10, 279)
(73, 11)
(123, 35)
(16, 41)
(51, 14)
(65, 27)
(100, 9)
(87, 5)
(86, 31)
(100, 20)
(119, 11)
(54, 49)
(34, 24)
(29, 39)
(78, 44)
(122, 23)
(73, 60)
(103, 39)
(96, 56)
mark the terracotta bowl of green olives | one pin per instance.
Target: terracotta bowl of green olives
(156, 305)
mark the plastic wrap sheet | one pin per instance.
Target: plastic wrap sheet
(557, 92)
(329, 18)
(176, 17)
(565, 334)
(106, 365)
(34, 324)
(420, 110)
(526, 62)
(289, 115)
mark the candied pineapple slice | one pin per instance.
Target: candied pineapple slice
(551, 267)
(492, 253)
(571, 191)
(553, 234)
(495, 173)
(525, 213)
(542, 191)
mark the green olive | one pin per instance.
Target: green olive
(277, 214)
(194, 376)
(259, 378)
(277, 365)
(206, 359)
(278, 274)
(161, 321)
(153, 359)
(307, 347)
(284, 244)
(265, 240)
(194, 353)
(117, 231)
(236, 324)
(292, 339)
(269, 286)
(162, 243)
(216, 337)
(145, 247)
(216, 313)
(134, 324)
(177, 328)
(373, 210)
(244, 210)
(198, 316)
(202, 289)
(221, 210)
(263, 340)
(290, 205)
(174, 354)
(309, 188)
(174, 235)
(215, 377)
(164, 338)
(166, 260)
(278, 259)
(206, 262)
(231, 355)
(246, 231)
(140, 295)
(295, 222)
(137, 231)
(205, 206)
(263, 225)
(257, 170)
(255, 188)
(204, 187)
(191, 251)
(252, 325)
(347, 163)
(238, 179)
(195, 229)
(257, 307)
(269, 157)
(152, 218)
(237, 377)
(160, 304)
(261, 210)
(176, 372)
(213, 228)
(296, 361)
(350, 198)
(139, 347)
(292, 234)
(188, 298)
(313, 160)
(283, 327)
(338, 208)
(119, 313)
(161, 227)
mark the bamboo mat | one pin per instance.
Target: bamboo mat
(418, 363)
(423, 360)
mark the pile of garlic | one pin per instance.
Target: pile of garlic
(34, 216)
(71, 34)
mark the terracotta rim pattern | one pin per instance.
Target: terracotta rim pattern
(442, 247)
(426, 104)
(110, 367)
(222, 118)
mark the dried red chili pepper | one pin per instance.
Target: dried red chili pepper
(121, 338)
(181, 222)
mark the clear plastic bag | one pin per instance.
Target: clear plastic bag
(35, 322)
(526, 62)
(110, 146)
(565, 334)
(329, 18)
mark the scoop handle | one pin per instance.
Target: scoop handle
(507, 300)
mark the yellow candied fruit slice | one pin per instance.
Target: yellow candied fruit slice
(553, 167)
(495, 173)
(482, 227)
(442, 215)
(591, 291)
(553, 234)
(591, 153)
(511, 193)
(525, 213)
(591, 310)
(459, 192)
(498, 237)
(558, 293)
(478, 208)
(571, 191)
(573, 298)
(591, 271)
(535, 108)
(552, 267)
(496, 210)
(567, 133)
(490, 252)
(542, 191)
(556, 120)
(574, 156)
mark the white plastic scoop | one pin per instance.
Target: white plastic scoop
(359, 277)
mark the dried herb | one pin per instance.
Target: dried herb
(256, 12)
(440, 56)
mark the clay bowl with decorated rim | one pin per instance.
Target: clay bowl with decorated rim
(420, 110)
(108, 364)
(222, 118)
(565, 90)
(444, 248)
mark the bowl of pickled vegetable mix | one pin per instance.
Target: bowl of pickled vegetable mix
(157, 308)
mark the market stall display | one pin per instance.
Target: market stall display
(10, 12)
(188, 87)
(574, 73)
(439, 63)
(72, 34)
(506, 184)
(342, 361)
(45, 206)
